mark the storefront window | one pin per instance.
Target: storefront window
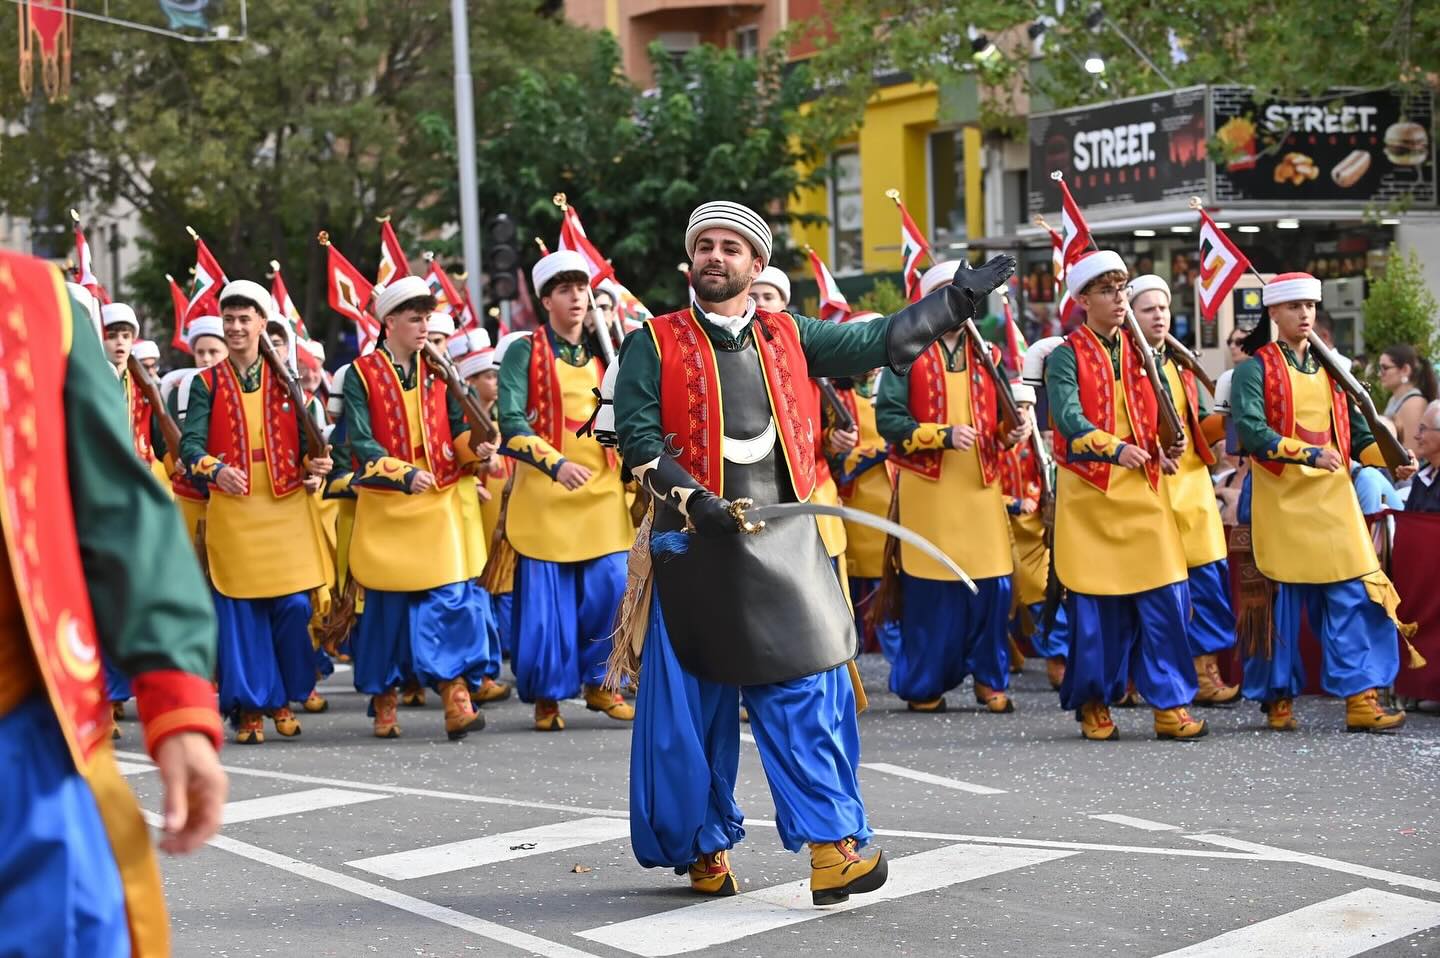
(947, 190)
(846, 214)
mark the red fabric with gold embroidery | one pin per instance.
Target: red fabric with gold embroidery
(390, 425)
(1096, 379)
(929, 402)
(847, 399)
(1192, 417)
(140, 421)
(1019, 478)
(546, 409)
(229, 438)
(822, 465)
(690, 396)
(1280, 404)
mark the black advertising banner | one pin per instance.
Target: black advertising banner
(1349, 146)
(1139, 150)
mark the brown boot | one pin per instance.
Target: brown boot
(547, 716)
(412, 696)
(1055, 671)
(490, 691)
(387, 724)
(1364, 713)
(600, 700)
(993, 700)
(1096, 724)
(1280, 715)
(1212, 688)
(1017, 658)
(315, 703)
(286, 724)
(837, 871)
(461, 716)
(1177, 723)
(711, 875)
(251, 730)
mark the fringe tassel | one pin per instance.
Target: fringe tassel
(498, 576)
(332, 629)
(1254, 598)
(632, 618)
(888, 604)
(1382, 592)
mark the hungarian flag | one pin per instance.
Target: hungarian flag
(209, 280)
(572, 237)
(179, 303)
(1221, 266)
(349, 295)
(84, 273)
(833, 304)
(912, 248)
(285, 306)
(393, 262)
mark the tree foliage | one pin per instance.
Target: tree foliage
(1401, 309)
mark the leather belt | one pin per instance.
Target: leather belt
(745, 451)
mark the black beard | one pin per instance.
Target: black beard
(712, 289)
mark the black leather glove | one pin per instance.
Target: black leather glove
(672, 485)
(915, 327)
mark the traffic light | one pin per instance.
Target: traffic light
(501, 259)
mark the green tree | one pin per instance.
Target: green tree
(884, 298)
(1401, 309)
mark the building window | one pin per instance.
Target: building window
(747, 42)
(678, 43)
(947, 192)
(846, 213)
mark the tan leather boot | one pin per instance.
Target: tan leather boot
(611, 703)
(1096, 724)
(711, 875)
(490, 691)
(838, 871)
(547, 716)
(460, 714)
(993, 700)
(286, 723)
(1178, 723)
(1280, 715)
(1364, 713)
(1212, 688)
(251, 730)
(386, 723)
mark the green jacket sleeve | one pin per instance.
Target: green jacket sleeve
(637, 401)
(1085, 440)
(375, 467)
(1247, 409)
(897, 426)
(195, 433)
(517, 439)
(843, 349)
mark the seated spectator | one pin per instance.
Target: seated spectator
(1425, 487)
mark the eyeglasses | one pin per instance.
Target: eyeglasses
(1385, 367)
(1235, 341)
(1107, 292)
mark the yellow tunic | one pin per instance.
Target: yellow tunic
(1192, 492)
(1307, 523)
(191, 511)
(832, 530)
(957, 512)
(864, 546)
(490, 511)
(258, 546)
(546, 521)
(1116, 543)
(404, 542)
(472, 526)
(1032, 559)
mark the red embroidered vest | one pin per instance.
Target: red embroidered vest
(1096, 380)
(847, 399)
(139, 421)
(1280, 404)
(37, 516)
(1192, 417)
(929, 402)
(690, 396)
(1019, 476)
(229, 438)
(390, 425)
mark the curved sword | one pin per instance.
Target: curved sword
(752, 519)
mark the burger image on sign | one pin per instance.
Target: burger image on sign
(1406, 144)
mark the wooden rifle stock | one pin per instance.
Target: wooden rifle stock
(843, 419)
(1186, 359)
(1171, 430)
(1395, 455)
(169, 428)
(1009, 411)
(482, 429)
(314, 438)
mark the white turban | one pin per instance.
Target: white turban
(553, 264)
(204, 326)
(251, 290)
(477, 362)
(1144, 284)
(440, 323)
(1095, 263)
(113, 314)
(1290, 288)
(145, 349)
(502, 347)
(473, 341)
(734, 217)
(1034, 365)
(937, 276)
(402, 290)
(335, 404)
(771, 276)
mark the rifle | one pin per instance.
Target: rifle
(1187, 359)
(482, 428)
(1009, 411)
(843, 419)
(1171, 431)
(169, 428)
(1395, 454)
(314, 438)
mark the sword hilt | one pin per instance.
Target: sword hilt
(737, 512)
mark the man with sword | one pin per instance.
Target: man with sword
(712, 411)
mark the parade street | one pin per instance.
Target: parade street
(1007, 835)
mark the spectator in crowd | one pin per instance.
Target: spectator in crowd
(1410, 380)
(1325, 329)
(1236, 344)
(1425, 487)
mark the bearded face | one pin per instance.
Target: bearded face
(723, 267)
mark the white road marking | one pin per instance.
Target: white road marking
(415, 906)
(724, 920)
(929, 779)
(134, 768)
(1143, 823)
(1330, 864)
(1348, 925)
(292, 803)
(474, 852)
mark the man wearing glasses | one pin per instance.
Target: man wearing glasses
(1425, 489)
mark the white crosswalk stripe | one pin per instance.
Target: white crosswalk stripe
(292, 803)
(474, 852)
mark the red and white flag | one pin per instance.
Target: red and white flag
(209, 280)
(447, 298)
(349, 295)
(393, 262)
(84, 273)
(1015, 344)
(179, 303)
(913, 248)
(1077, 232)
(833, 304)
(285, 306)
(572, 237)
(1067, 309)
(1221, 266)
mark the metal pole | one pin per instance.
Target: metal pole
(465, 147)
(1141, 54)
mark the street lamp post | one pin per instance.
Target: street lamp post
(465, 147)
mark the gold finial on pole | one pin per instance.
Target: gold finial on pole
(383, 219)
(559, 200)
(193, 235)
(323, 238)
(274, 266)
(75, 216)
(1196, 203)
(1057, 176)
(544, 250)
(894, 195)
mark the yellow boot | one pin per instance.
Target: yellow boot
(1212, 688)
(993, 700)
(934, 705)
(315, 702)
(286, 724)
(547, 716)
(1096, 724)
(1055, 671)
(490, 691)
(251, 730)
(1178, 723)
(837, 871)
(461, 716)
(711, 875)
(600, 700)
(1364, 713)
(413, 695)
(1280, 715)
(387, 724)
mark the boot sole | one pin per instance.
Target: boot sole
(1176, 737)
(729, 889)
(1367, 728)
(392, 732)
(475, 726)
(323, 708)
(870, 881)
(1112, 737)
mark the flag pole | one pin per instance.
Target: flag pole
(465, 150)
(601, 327)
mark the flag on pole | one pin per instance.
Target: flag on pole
(84, 273)
(178, 303)
(572, 237)
(393, 262)
(833, 304)
(349, 294)
(913, 247)
(447, 298)
(1067, 308)
(1015, 344)
(631, 311)
(209, 279)
(285, 306)
(1077, 232)
(1221, 266)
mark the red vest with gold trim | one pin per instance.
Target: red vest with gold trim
(930, 402)
(1280, 406)
(690, 396)
(1019, 476)
(140, 421)
(1096, 380)
(390, 425)
(229, 437)
(545, 400)
(36, 513)
(822, 465)
(1192, 417)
